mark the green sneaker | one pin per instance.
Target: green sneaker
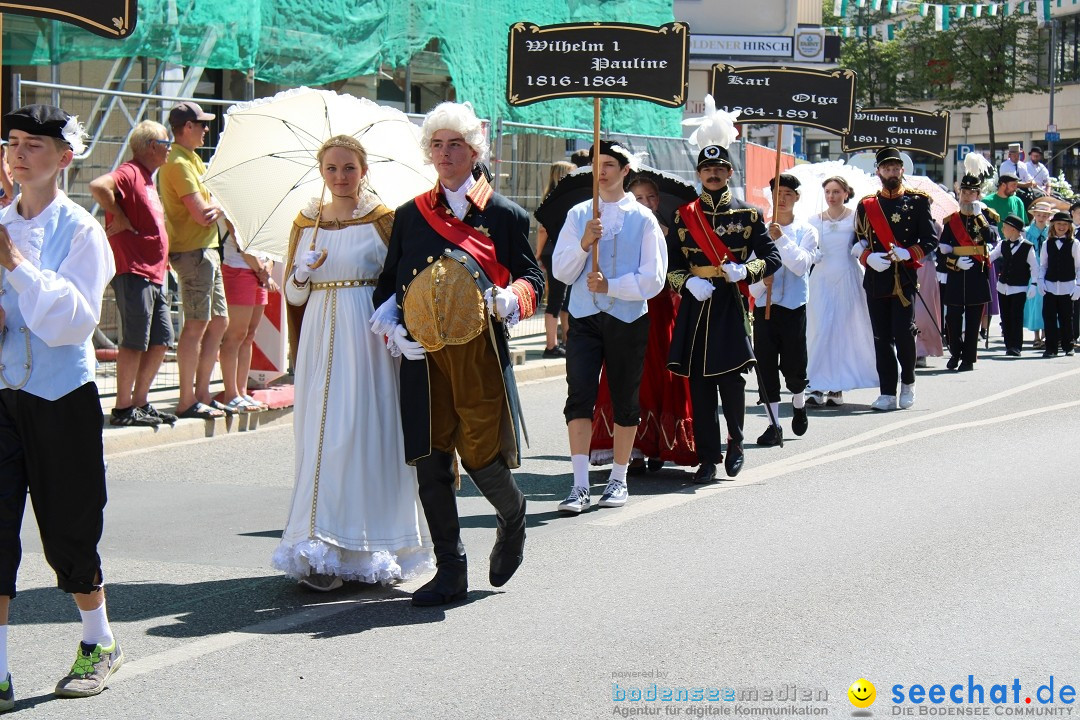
(7, 695)
(92, 669)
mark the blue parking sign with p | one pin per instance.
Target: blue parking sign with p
(962, 151)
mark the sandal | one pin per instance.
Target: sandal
(257, 403)
(132, 416)
(200, 411)
(218, 405)
(239, 405)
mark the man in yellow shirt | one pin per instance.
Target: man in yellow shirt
(191, 217)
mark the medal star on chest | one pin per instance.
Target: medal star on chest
(733, 227)
(483, 230)
(895, 217)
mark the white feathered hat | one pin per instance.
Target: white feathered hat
(715, 132)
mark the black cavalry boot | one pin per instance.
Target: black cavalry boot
(435, 474)
(497, 484)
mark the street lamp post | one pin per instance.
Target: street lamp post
(965, 122)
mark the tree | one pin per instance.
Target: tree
(877, 63)
(982, 61)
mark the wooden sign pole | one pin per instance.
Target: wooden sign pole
(775, 198)
(596, 179)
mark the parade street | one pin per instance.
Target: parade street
(914, 547)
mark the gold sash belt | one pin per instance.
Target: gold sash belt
(334, 284)
(969, 250)
(707, 271)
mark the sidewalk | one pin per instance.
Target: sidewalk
(529, 365)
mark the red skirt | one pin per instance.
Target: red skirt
(666, 430)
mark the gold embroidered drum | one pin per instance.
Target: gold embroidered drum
(443, 306)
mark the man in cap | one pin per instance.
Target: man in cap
(719, 246)
(1013, 165)
(895, 232)
(1018, 265)
(1039, 173)
(609, 322)
(1004, 201)
(459, 270)
(54, 264)
(780, 327)
(967, 237)
(191, 218)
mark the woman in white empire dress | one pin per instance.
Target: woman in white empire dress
(355, 513)
(840, 343)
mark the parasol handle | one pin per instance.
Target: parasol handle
(314, 236)
(596, 179)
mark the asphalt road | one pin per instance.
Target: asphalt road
(912, 547)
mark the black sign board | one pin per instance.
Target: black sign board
(793, 96)
(111, 18)
(599, 59)
(906, 128)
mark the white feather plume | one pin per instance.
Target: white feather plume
(975, 164)
(715, 127)
(74, 134)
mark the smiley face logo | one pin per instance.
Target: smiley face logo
(862, 693)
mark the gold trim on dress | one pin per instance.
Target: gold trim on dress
(335, 284)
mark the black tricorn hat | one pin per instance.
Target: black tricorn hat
(970, 182)
(713, 155)
(887, 154)
(786, 180)
(1013, 221)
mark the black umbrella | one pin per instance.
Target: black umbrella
(577, 188)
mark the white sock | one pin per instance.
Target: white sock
(581, 470)
(908, 387)
(775, 406)
(618, 472)
(3, 653)
(798, 400)
(96, 630)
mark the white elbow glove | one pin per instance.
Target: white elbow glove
(302, 270)
(700, 288)
(964, 263)
(386, 317)
(878, 261)
(734, 272)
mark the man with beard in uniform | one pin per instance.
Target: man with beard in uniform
(966, 240)
(719, 245)
(895, 231)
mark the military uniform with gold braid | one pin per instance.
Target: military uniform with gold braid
(900, 218)
(966, 291)
(710, 343)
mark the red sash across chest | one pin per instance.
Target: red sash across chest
(464, 236)
(882, 229)
(706, 238)
(961, 235)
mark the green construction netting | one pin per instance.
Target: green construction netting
(313, 42)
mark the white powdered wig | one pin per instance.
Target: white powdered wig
(715, 127)
(460, 118)
(74, 134)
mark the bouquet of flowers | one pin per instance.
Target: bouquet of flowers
(1060, 186)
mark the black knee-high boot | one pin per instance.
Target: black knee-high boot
(497, 484)
(435, 475)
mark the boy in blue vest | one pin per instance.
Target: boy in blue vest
(608, 317)
(54, 264)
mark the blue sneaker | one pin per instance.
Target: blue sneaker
(577, 501)
(615, 495)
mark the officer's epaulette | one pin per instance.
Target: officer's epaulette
(991, 214)
(869, 195)
(916, 191)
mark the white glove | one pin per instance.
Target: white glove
(386, 317)
(700, 288)
(965, 263)
(942, 278)
(302, 269)
(1076, 293)
(857, 250)
(944, 248)
(901, 253)
(878, 261)
(1042, 288)
(734, 272)
(501, 302)
(1031, 291)
(411, 349)
(818, 255)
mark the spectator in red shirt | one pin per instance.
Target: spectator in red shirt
(135, 225)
